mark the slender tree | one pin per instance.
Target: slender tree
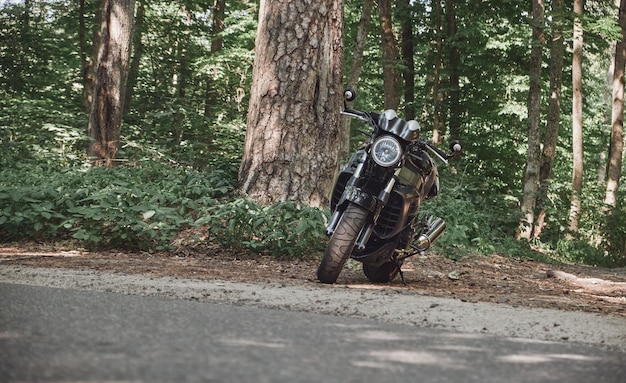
(293, 136)
(137, 49)
(554, 114)
(531, 172)
(390, 56)
(356, 64)
(614, 168)
(82, 39)
(107, 106)
(438, 127)
(89, 66)
(454, 64)
(217, 43)
(577, 119)
(408, 73)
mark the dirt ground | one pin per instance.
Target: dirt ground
(498, 279)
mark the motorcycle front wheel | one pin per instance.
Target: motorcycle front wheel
(341, 243)
(383, 273)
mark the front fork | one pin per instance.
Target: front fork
(355, 195)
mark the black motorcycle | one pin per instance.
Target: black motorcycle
(377, 196)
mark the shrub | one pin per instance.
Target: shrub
(137, 207)
(282, 229)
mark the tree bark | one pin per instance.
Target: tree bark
(438, 126)
(454, 63)
(137, 53)
(89, 68)
(107, 106)
(82, 40)
(577, 120)
(356, 65)
(293, 136)
(406, 20)
(614, 168)
(554, 114)
(390, 56)
(217, 42)
(531, 172)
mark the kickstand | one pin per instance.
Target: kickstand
(399, 266)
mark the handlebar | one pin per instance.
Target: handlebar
(455, 146)
(357, 113)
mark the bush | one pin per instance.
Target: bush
(136, 207)
(282, 229)
(145, 207)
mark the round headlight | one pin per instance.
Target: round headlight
(386, 151)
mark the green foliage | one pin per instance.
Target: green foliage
(144, 207)
(472, 220)
(183, 135)
(615, 240)
(580, 252)
(282, 229)
(43, 130)
(99, 206)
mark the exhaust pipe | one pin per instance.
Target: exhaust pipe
(435, 228)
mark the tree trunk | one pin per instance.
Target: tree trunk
(454, 63)
(89, 68)
(577, 120)
(356, 65)
(107, 107)
(554, 114)
(438, 127)
(137, 53)
(291, 149)
(614, 168)
(390, 56)
(217, 42)
(406, 20)
(531, 171)
(82, 40)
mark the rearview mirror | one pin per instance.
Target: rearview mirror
(349, 94)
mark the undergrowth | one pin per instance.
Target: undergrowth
(146, 205)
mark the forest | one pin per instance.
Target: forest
(137, 124)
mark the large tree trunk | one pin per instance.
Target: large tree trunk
(390, 56)
(406, 20)
(291, 149)
(107, 107)
(577, 120)
(614, 168)
(554, 113)
(531, 172)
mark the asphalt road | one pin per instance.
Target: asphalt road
(70, 335)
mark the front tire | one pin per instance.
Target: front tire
(341, 243)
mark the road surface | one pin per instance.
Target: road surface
(52, 334)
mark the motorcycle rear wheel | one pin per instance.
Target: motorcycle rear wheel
(383, 273)
(341, 243)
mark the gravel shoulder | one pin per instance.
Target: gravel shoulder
(575, 305)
